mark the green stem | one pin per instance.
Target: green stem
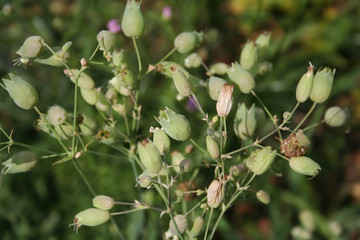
(128, 211)
(313, 125)
(3, 131)
(80, 172)
(306, 116)
(95, 51)
(137, 55)
(163, 59)
(33, 147)
(208, 224)
(196, 206)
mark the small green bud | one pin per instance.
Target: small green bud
(260, 160)
(322, 85)
(305, 166)
(87, 125)
(144, 180)
(248, 55)
(91, 217)
(181, 223)
(181, 82)
(103, 202)
(305, 85)
(263, 40)
(187, 41)
(212, 147)
(335, 116)
(84, 81)
(161, 141)
(22, 92)
(57, 115)
(133, 23)
(193, 61)
(176, 159)
(263, 196)
(218, 68)
(32, 47)
(106, 40)
(241, 77)
(197, 226)
(225, 99)
(149, 156)
(214, 87)
(19, 162)
(175, 125)
(244, 122)
(215, 194)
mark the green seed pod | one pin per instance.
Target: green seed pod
(176, 159)
(149, 156)
(103, 202)
(322, 85)
(119, 108)
(187, 41)
(85, 81)
(106, 40)
(248, 56)
(144, 180)
(128, 79)
(133, 23)
(212, 147)
(193, 61)
(57, 60)
(225, 99)
(118, 58)
(263, 196)
(66, 46)
(19, 162)
(32, 47)
(335, 116)
(111, 95)
(302, 138)
(64, 131)
(102, 103)
(181, 83)
(22, 92)
(305, 85)
(218, 68)
(214, 87)
(305, 166)
(87, 125)
(175, 125)
(161, 141)
(181, 223)
(197, 226)
(168, 67)
(91, 217)
(260, 160)
(241, 77)
(215, 194)
(244, 122)
(57, 115)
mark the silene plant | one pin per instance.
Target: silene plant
(192, 212)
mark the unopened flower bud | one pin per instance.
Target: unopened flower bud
(181, 82)
(197, 226)
(335, 116)
(19, 162)
(175, 125)
(263, 196)
(260, 160)
(89, 95)
(187, 41)
(193, 60)
(176, 158)
(133, 23)
(185, 165)
(106, 40)
(224, 102)
(212, 147)
(322, 85)
(91, 217)
(245, 122)
(149, 156)
(248, 55)
(84, 81)
(214, 87)
(161, 141)
(241, 77)
(103, 202)
(32, 47)
(215, 194)
(305, 85)
(181, 223)
(57, 115)
(305, 166)
(218, 68)
(23, 93)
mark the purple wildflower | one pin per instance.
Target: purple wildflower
(113, 26)
(166, 12)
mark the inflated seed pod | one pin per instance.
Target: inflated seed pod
(32, 47)
(176, 158)
(84, 81)
(103, 202)
(245, 122)
(215, 194)
(181, 223)
(305, 166)
(19, 162)
(149, 156)
(335, 116)
(187, 41)
(212, 147)
(193, 61)
(197, 226)
(161, 141)
(214, 87)
(263, 196)
(57, 115)
(133, 23)
(322, 85)
(248, 55)
(174, 124)
(91, 217)
(243, 79)
(305, 85)
(181, 83)
(260, 160)
(106, 40)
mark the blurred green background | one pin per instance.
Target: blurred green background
(42, 203)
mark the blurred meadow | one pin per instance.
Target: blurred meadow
(41, 204)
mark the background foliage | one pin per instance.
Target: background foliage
(40, 204)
